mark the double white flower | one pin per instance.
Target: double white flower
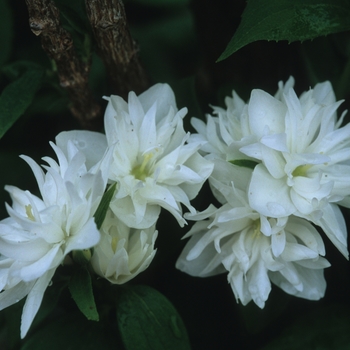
(39, 233)
(303, 154)
(123, 252)
(153, 163)
(251, 247)
(293, 162)
(145, 153)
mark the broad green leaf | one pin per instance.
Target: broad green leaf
(70, 331)
(102, 209)
(247, 163)
(6, 30)
(17, 96)
(16, 69)
(81, 290)
(148, 321)
(292, 20)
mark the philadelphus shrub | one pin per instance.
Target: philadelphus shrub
(277, 165)
(147, 162)
(281, 163)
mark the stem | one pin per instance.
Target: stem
(116, 46)
(73, 74)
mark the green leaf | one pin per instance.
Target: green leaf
(292, 20)
(147, 320)
(69, 331)
(323, 329)
(17, 96)
(102, 209)
(16, 69)
(81, 290)
(247, 163)
(6, 28)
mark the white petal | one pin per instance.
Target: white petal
(293, 252)
(15, 294)
(259, 284)
(269, 196)
(86, 238)
(33, 301)
(265, 110)
(163, 94)
(206, 264)
(278, 242)
(333, 224)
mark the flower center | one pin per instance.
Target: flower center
(29, 212)
(256, 228)
(301, 170)
(114, 243)
(145, 169)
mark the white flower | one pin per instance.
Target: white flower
(93, 145)
(152, 164)
(223, 135)
(251, 247)
(123, 252)
(39, 233)
(303, 154)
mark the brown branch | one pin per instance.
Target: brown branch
(72, 73)
(116, 46)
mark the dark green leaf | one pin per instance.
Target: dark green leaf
(82, 257)
(247, 163)
(17, 96)
(292, 20)
(15, 69)
(104, 205)
(6, 30)
(147, 320)
(70, 331)
(81, 290)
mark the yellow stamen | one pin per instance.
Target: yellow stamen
(29, 212)
(301, 170)
(257, 228)
(114, 243)
(141, 171)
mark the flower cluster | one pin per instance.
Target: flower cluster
(281, 163)
(278, 165)
(148, 162)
